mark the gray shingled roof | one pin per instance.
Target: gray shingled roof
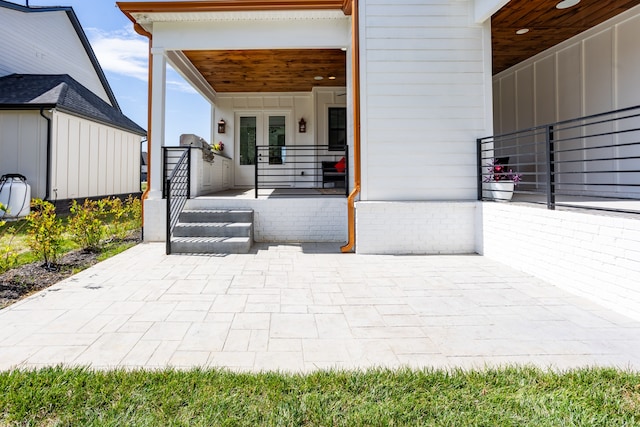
(64, 93)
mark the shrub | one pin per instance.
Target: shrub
(4, 209)
(45, 232)
(8, 253)
(86, 223)
(134, 212)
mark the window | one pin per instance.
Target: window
(248, 128)
(337, 128)
(277, 133)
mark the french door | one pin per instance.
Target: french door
(262, 129)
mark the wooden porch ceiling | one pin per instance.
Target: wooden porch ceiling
(547, 26)
(281, 70)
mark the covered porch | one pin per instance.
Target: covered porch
(278, 84)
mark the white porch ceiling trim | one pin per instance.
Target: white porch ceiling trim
(148, 18)
(185, 68)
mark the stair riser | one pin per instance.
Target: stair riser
(215, 216)
(210, 247)
(230, 230)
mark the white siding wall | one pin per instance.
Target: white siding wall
(594, 72)
(23, 148)
(425, 93)
(45, 43)
(91, 159)
(426, 97)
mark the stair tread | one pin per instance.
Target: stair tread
(209, 239)
(213, 224)
(218, 210)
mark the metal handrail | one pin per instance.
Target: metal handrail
(301, 166)
(581, 162)
(178, 191)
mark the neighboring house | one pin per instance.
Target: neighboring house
(143, 166)
(418, 84)
(60, 124)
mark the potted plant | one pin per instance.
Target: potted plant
(500, 181)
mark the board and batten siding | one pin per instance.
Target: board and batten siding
(425, 84)
(23, 148)
(45, 43)
(594, 72)
(91, 159)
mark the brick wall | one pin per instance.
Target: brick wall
(415, 227)
(321, 219)
(593, 255)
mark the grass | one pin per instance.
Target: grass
(513, 396)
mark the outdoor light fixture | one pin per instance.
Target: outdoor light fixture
(302, 126)
(222, 126)
(565, 4)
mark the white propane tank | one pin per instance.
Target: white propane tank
(15, 195)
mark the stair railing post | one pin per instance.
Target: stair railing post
(479, 165)
(189, 173)
(551, 176)
(168, 221)
(255, 161)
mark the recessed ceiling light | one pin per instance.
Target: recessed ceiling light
(318, 78)
(565, 4)
(522, 31)
(344, 49)
(332, 77)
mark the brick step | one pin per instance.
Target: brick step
(211, 245)
(216, 215)
(213, 229)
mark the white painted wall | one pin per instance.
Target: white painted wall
(592, 255)
(416, 227)
(312, 106)
(23, 147)
(91, 159)
(426, 97)
(425, 84)
(45, 43)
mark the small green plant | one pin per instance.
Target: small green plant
(86, 223)
(4, 209)
(45, 232)
(8, 252)
(134, 212)
(118, 211)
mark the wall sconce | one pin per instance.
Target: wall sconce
(222, 126)
(302, 126)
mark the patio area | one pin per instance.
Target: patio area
(303, 307)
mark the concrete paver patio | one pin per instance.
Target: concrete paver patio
(306, 307)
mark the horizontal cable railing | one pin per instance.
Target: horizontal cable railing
(590, 162)
(177, 188)
(300, 167)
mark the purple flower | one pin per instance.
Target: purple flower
(497, 173)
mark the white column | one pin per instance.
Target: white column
(158, 99)
(155, 205)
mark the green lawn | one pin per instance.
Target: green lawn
(503, 397)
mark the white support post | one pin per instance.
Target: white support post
(154, 204)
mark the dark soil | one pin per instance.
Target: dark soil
(22, 281)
